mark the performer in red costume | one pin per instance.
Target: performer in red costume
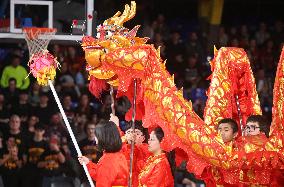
(157, 170)
(112, 169)
(141, 153)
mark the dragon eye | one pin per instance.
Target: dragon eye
(98, 35)
(109, 34)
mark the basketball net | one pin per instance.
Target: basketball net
(42, 64)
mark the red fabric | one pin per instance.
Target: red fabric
(156, 172)
(97, 86)
(277, 178)
(112, 170)
(140, 156)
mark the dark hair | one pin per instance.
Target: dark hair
(138, 125)
(12, 79)
(108, 137)
(23, 92)
(43, 94)
(13, 57)
(170, 155)
(232, 122)
(39, 126)
(262, 122)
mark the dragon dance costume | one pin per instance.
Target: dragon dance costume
(117, 57)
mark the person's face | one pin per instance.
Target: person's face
(84, 100)
(252, 128)
(56, 48)
(16, 62)
(39, 132)
(11, 141)
(1, 98)
(253, 43)
(12, 85)
(33, 120)
(129, 135)
(64, 67)
(91, 130)
(154, 144)
(192, 62)
(71, 51)
(24, 97)
(193, 36)
(55, 119)
(15, 123)
(176, 36)
(139, 136)
(67, 101)
(226, 132)
(36, 87)
(43, 99)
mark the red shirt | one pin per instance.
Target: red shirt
(156, 172)
(111, 170)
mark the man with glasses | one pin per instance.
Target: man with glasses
(255, 125)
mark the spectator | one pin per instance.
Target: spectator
(194, 47)
(16, 71)
(11, 93)
(51, 163)
(44, 110)
(4, 112)
(75, 61)
(68, 107)
(89, 147)
(223, 37)
(66, 81)
(253, 54)
(34, 95)
(105, 109)
(56, 127)
(278, 34)
(261, 35)
(16, 135)
(192, 72)
(29, 127)
(22, 108)
(174, 51)
(84, 106)
(11, 162)
(162, 26)
(35, 148)
(244, 36)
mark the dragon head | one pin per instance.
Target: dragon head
(111, 36)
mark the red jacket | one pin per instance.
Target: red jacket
(156, 172)
(111, 170)
(140, 156)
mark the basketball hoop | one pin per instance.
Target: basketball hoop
(42, 64)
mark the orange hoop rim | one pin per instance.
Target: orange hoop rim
(33, 32)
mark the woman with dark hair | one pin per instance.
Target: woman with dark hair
(112, 168)
(157, 171)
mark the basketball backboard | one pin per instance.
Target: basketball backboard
(59, 14)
